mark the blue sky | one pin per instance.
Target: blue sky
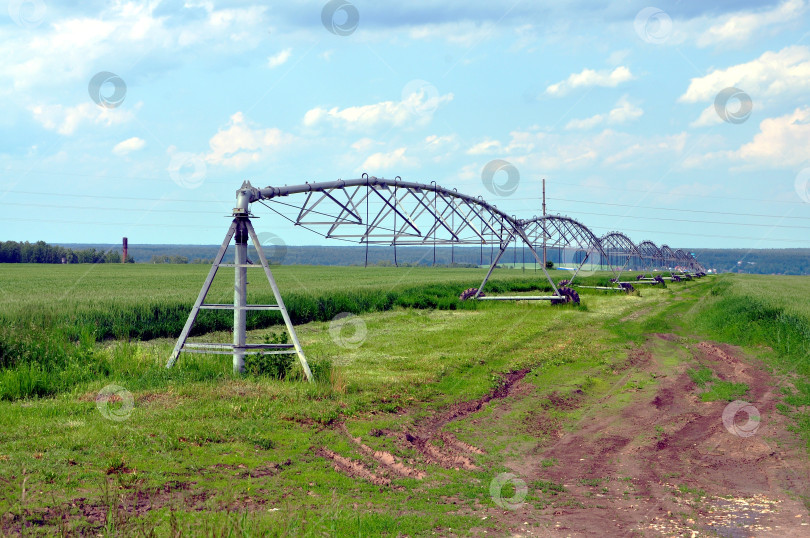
(614, 104)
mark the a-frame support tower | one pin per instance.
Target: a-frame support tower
(241, 228)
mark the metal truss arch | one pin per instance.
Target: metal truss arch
(621, 252)
(374, 210)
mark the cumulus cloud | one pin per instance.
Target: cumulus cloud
(414, 108)
(623, 111)
(781, 142)
(739, 27)
(387, 161)
(709, 116)
(66, 119)
(589, 77)
(239, 144)
(279, 59)
(771, 75)
(124, 33)
(129, 145)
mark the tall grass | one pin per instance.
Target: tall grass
(48, 341)
(751, 315)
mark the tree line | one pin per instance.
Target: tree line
(761, 261)
(41, 252)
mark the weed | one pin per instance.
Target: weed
(274, 365)
(548, 487)
(700, 376)
(724, 390)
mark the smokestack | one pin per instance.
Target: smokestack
(124, 260)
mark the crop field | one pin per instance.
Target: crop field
(428, 415)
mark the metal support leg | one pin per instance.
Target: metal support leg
(504, 246)
(625, 266)
(240, 296)
(528, 243)
(283, 309)
(587, 255)
(241, 228)
(195, 310)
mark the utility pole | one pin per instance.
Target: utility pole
(544, 223)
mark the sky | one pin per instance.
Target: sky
(685, 123)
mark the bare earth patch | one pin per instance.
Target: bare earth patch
(667, 465)
(434, 446)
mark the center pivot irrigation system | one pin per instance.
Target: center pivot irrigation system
(392, 212)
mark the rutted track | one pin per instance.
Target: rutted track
(427, 438)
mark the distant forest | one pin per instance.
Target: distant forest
(756, 261)
(41, 252)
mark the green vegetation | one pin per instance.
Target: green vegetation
(548, 487)
(701, 376)
(47, 331)
(766, 311)
(214, 453)
(696, 493)
(724, 390)
(717, 389)
(41, 252)
(779, 261)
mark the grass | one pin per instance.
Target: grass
(717, 389)
(772, 316)
(47, 338)
(219, 454)
(724, 390)
(701, 376)
(204, 432)
(696, 493)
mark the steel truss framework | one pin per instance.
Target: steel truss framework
(393, 212)
(379, 211)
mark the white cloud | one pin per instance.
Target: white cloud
(781, 142)
(387, 161)
(365, 144)
(442, 148)
(623, 111)
(417, 108)
(586, 123)
(66, 119)
(279, 59)
(708, 117)
(736, 28)
(771, 75)
(129, 145)
(589, 77)
(72, 48)
(239, 144)
(485, 147)
(436, 141)
(538, 151)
